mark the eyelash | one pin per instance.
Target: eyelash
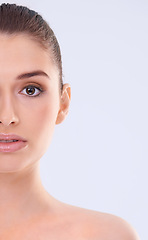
(34, 87)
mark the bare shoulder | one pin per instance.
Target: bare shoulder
(109, 227)
(95, 225)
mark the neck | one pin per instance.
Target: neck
(21, 195)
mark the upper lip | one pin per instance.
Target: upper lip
(11, 136)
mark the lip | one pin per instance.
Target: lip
(11, 136)
(12, 146)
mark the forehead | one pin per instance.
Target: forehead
(20, 53)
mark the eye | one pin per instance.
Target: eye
(32, 90)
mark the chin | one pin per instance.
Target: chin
(9, 164)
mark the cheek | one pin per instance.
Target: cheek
(40, 123)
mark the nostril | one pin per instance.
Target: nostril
(9, 123)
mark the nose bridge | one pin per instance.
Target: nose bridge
(7, 108)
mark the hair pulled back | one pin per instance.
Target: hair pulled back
(19, 19)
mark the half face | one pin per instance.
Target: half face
(30, 101)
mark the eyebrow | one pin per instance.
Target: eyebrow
(32, 74)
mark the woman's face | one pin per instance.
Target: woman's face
(30, 100)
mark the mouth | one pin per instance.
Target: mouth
(11, 142)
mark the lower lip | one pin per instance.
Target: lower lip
(12, 146)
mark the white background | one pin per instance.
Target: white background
(98, 156)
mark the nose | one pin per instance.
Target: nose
(8, 115)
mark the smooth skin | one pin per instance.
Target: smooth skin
(27, 211)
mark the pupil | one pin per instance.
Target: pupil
(30, 90)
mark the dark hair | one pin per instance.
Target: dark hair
(20, 19)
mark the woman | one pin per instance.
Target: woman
(33, 99)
